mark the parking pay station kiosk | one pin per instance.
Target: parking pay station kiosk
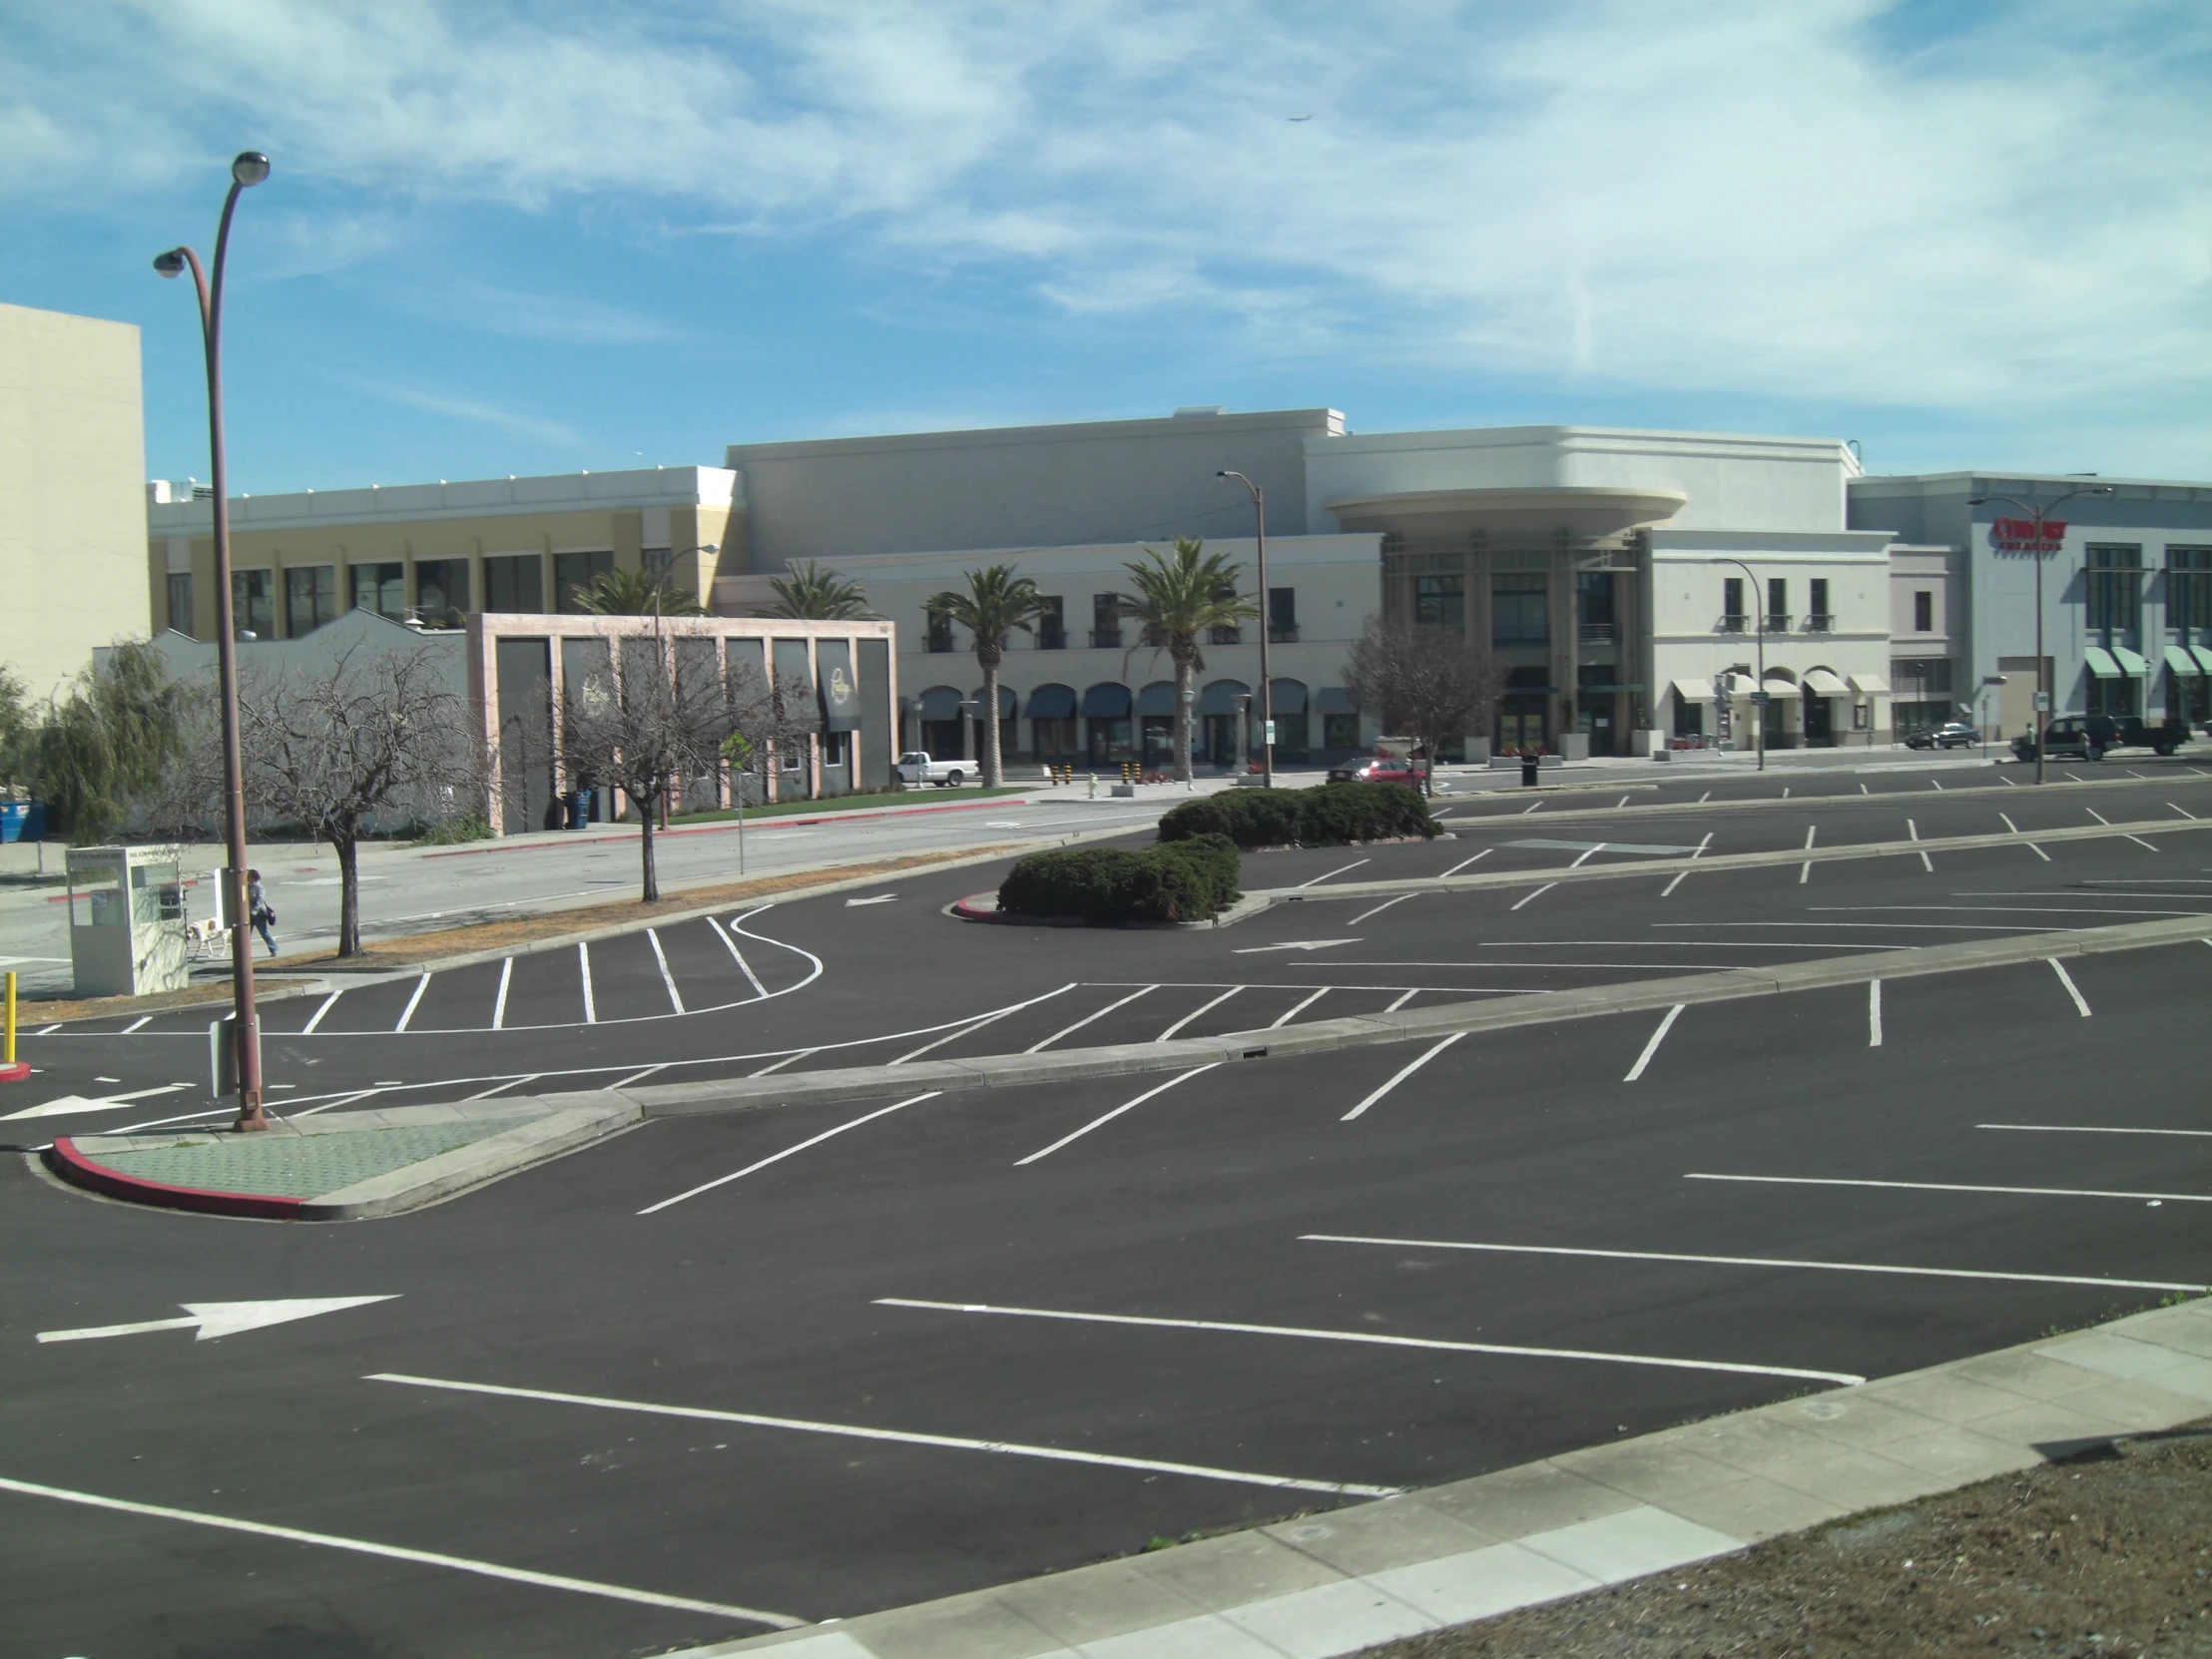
(126, 921)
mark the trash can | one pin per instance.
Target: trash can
(22, 820)
(579, 809)
(1529, 771)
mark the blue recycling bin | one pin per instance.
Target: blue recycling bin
(22, 820)
(579, 809)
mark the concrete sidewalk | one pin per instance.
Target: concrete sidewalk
(1334, 1584)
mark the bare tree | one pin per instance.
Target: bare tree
(650, 718)
(372, 736)
(1428, 683)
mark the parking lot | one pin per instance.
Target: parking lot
(802, 1364)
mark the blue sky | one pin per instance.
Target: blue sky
(503, 238)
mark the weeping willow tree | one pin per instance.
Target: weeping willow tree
(100, 755)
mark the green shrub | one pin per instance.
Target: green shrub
(1185, 880)
(1334, 815)
(469, 827)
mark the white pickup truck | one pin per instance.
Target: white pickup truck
(915, 768)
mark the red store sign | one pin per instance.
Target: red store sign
(2017, 535)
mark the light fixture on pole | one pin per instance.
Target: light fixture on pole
(2036, 514)
(1267, 682)
(1758, 696)
(247, 170)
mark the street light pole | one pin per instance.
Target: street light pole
(1758, 708)
(248, 170)
(2043, 676)
(1266, 684)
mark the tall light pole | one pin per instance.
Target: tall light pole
(1266, 684)
(2043, 675)
(247, 170)
(1758, 705)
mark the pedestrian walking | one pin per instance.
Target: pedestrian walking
(258, 912)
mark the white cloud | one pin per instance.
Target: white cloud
(1804, 200)
(533, 427)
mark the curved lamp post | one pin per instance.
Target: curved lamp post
(1267, 683)
(247, 170)
(2043, 676)
(1758, 705)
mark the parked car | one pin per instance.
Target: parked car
(2092, 736)
(1379, 769)
(1952, 734)
(915, 768)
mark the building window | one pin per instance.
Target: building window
(180, 603)
(1924, 612)
(574, 572)
(937, 631)
(2188, 587)
(442, 592)
(1340, 731)
(514, 582)
(382, 589)
(1224, 633)
(254, 603)
(1520, 613)
(2112, 588)
(1106, 622)
(1732, 605)
(1283, 616)
(310, 598)
(655, 561)
(1052, 624)
(1820, 619)
(1689, 718)
(1778, 604)
(1593, 606)
(833, 747)
(1921, 677)
(2113, 696)
(1439, 601)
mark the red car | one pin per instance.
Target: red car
(1381, 768)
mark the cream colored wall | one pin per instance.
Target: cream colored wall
(72, 492)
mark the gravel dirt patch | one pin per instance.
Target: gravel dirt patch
(2108, 1553)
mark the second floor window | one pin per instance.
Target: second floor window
(2188, 587)
(1520, 613)
(1732, 605)
(1106, 620)
(310, 597)
(1283, 615)
(1777, 604)
(1439, 601)
(1924, 612)
(254, 603)
(1819, 618)
(1593, 603)
(937, 631)
(1052, 624)
(2113, 588)
(180, 603)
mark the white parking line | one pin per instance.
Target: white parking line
(1069, 1031)
(583, 966)
(978, 1025)
(1355, 865)
(406, 1014)
(1538, 893)
(778, 1065)
(666, 978)
(779, 1157)
(511, 1083)
(1956, 1187)
(638, 1076)
(1750, 1262)
(1668, 889)
(1622, 801)
(314, 1019)
(2139, 842)
(1378, 909)
(2099, 817)
(1179, 1077)
(1403, 1072)
(499, 1007)
(2171, 808)
(2006, 781)
(1464, 862)
(1805, 870)
(395, 1553)
(1914, 830)
(1409, 995)
(2093, 1129)
(1703, 799)
(1536, 806)
(1698, 852)
(1652, 1047)
(1874, 1013)
(744, 967)
(1006, 1449)
(143, 1018)
(1372, 1337)
(2016, 828)
(1299, 1009)
(2066, 979)
(1195, 1012)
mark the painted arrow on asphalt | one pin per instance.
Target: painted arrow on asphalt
(1293, 944)
(78, 1103)
(879, 899)
(220, 1318)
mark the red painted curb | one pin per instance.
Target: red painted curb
(732, 824)
(19, 1072)
(73, 1166)
(978, 906)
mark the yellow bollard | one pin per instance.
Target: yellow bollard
(7, 1043)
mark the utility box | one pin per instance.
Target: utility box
(127, 920)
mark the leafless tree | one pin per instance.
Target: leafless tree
(660, 718)
(373, 735)
(1427, 683)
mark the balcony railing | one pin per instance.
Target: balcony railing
(1820, 622)
(1106, 639)
(1596, 633)
(937, 641)
(1052, 639)
(1733, 622)
(1778, 622)
(1283, 633)
(1230, 634)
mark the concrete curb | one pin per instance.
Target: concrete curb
(983, 907)
(541, 1130)
(1336, 1583)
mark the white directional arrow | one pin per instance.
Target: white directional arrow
(220, 1318)
(1295, 944)
(78, 1103)
(879, 899)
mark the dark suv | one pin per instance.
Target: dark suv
(2090, 736)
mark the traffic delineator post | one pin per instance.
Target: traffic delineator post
(11, 1070)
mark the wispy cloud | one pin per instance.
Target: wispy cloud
(533, 427)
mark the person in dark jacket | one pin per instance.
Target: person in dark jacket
(258, 912)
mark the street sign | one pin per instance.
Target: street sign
(1269, 738)
(1762, 697)
(2042, 703)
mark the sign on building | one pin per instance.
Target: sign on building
(2017, 535)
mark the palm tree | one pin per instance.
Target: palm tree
(637, 593)
(806, 592)
(995, 604)
(1177, 598)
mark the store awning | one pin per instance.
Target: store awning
(1870, 685)
(2130, 665)
(1053, 702)
(1220, 698)
(1106, 702)
(2100, 663)
(1781, 689)
(2203, 655)
(1006, 702)
(2180, 664)
(1740, 684)
(1694, 690)
(1287, 696)
(1823, 681)
(1157, 698)
(1334, 700)
(940, 702)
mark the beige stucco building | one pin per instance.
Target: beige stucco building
(72, 518)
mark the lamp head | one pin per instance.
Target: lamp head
(1977, 501)
(171, 264)
(250, 167)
